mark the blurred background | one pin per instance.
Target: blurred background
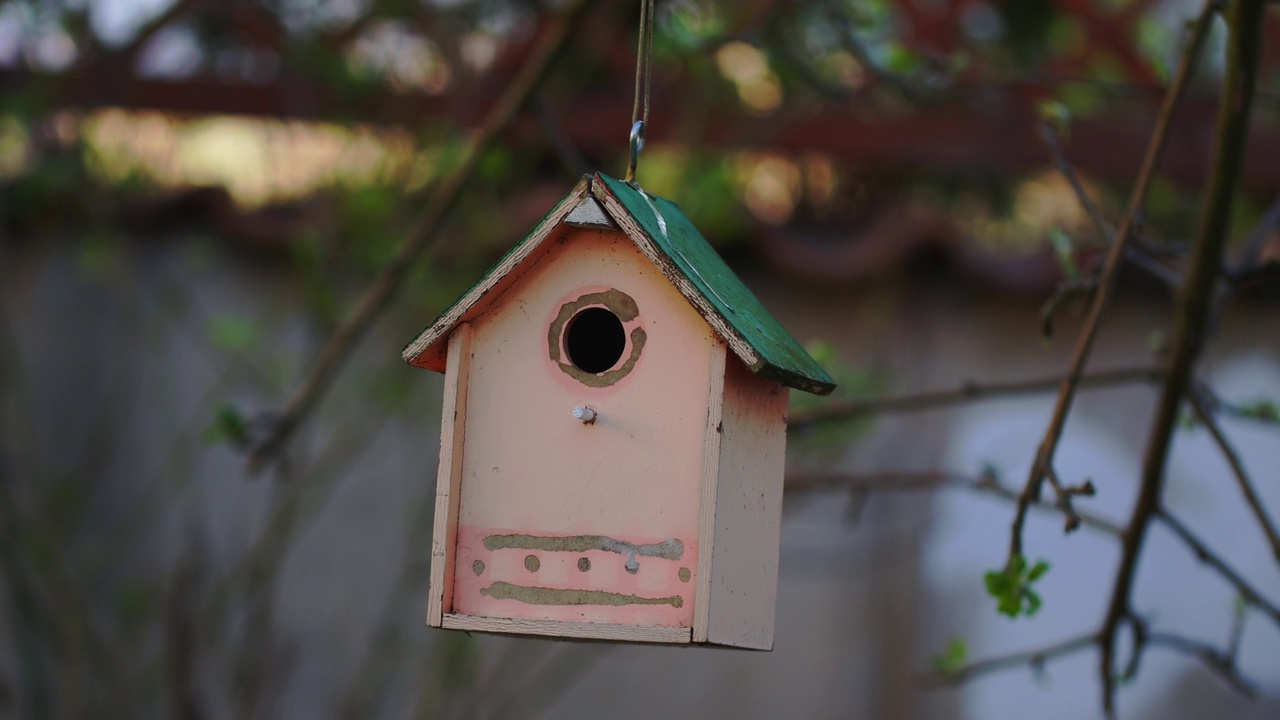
(194, 192)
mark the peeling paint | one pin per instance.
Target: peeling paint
(553, 596)
(662, 223)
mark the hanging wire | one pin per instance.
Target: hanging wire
(644, 75)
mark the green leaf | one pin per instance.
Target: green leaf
(1016, 565)
(1033, 602)
(233, 332)
(997, 583)
(1010, 605)
(902, 60)
(1056, 114)
(1064, 249)
(1011, 586)
(229, 425)
(952, 658)
(1261, 409)
(1240, 605)
(1157, 43)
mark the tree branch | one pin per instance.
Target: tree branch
(1110, 271)
(1205, 416)
(1253, 248)
(1222, 664)
(1103, 228)
(1267, 414)
(1036, 658)
(1244, 23)
(882, 482)
(1204, 554)
(420, 234)
(969, 392)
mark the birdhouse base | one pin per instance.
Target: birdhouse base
(565, 629)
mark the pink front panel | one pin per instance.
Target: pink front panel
(620, 496)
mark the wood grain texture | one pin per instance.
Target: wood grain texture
(560, 628)
(707, 491)
(444, 531)
(428, 349)
(588, 213)
(743, 546)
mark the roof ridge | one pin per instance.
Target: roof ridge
(664, 234)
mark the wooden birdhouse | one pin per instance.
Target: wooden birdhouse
(611, 458)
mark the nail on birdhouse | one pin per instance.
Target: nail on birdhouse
(613, 437)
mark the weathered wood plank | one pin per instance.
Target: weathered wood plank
(561, 628)
(707, 492)
(748, 511)
(444, 532)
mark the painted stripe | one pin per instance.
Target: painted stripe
(670, 549)
(553, 596)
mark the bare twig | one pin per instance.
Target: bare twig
(1258, 239)
(1059, 156)
(969, 392)
(419, 235)
(1205, 416)
(883, 482)
(1035, 658)
(1110, 271)
(1204, 554)
(852, 45)
(1104, 229)
(1242, 412)
(1194, 307)
(1237, 628)
(1221, 663)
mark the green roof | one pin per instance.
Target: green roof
(664, 234)
(779, 357)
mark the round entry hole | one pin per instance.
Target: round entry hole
(595, 340)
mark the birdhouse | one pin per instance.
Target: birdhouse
(611, 459)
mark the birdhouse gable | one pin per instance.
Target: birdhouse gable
(666, 237)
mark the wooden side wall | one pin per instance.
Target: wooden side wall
(444, 532)
(743, 587)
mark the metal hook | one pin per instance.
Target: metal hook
(637, 144)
